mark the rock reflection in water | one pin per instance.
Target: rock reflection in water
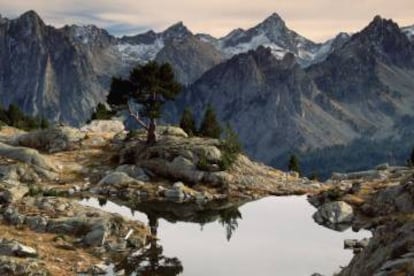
(150, 260)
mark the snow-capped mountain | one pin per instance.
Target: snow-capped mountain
(145, 47)
(274, 34)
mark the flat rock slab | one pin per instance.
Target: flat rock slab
(14, 248)
(26, 155)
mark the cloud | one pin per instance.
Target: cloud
(316, 19)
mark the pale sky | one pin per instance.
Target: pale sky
(315, 19)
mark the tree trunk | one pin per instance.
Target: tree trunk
(151, 136)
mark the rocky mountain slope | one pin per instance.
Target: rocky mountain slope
(49, 69)
(299, 96)
(190, 58)
(56, 73)
(363, 90)
(371, 75)
(274, 99)
(62, 74)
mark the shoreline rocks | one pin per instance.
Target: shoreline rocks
(36, 189)
(382, 203)
(335, 215)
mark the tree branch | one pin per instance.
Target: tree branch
(137, 118)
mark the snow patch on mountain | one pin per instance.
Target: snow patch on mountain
(139, 52)
(260, 40)
(409, 32)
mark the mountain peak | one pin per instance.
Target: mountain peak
(274, 16)
(31, 16)
(273, 20)
(273, 27)
(179, 26)
(382, 24)
(178, 30)
(377, 18)
(380, 30)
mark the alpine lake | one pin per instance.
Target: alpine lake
(270, 236)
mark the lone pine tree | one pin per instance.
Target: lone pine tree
(150, 86)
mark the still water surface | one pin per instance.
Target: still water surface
(271, 236)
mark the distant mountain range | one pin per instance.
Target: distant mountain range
(282, 92)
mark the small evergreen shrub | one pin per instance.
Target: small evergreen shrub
(209, 125)
(230, 148)
(411, 160)
(14, 117)
(293, 165)
(187, 122)
(131, 135)
(203, 164)
(102, 113)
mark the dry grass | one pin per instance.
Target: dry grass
(58, 261)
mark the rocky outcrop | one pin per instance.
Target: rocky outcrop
(334, 214)
(52, 140)
(28, 156)
(382, 205)
(396, 199)
(104, 126)
(21, 267)
(366, 175)
(388, 252)
(175, 156)
(198, 162)
(171, 131)
(118, 178)
(356, 245)
(14, 248)
(66, 217)
(134, 171)
(12, 193)
(76, 228)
